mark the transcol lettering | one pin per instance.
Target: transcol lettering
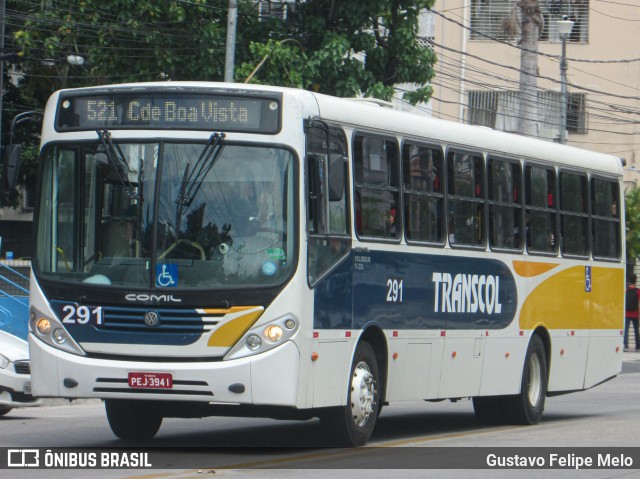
(466, 293)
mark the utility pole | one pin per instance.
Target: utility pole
(229, 60)
(530, 27)
(564, 29)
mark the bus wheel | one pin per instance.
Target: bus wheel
(527, 407)
(132, 419)
(488, 410)
(352, 425)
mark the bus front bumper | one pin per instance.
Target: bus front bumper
(270, 378)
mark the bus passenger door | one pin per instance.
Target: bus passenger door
(329, 273)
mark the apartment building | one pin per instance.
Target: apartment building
(478, 71)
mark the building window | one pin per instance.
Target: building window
(499, 110)
(277, 9)
(499, 19)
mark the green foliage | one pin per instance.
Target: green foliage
(632, 215)
(336, 47)
(349, 48)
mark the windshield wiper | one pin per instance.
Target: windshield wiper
(117, 160)
(193, 178)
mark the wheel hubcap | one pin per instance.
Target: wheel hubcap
(363, 393)
(535, 380)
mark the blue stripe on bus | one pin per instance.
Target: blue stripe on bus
(398, 291)
(125, 325)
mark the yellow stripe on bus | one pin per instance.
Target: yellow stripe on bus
(561, 301)
(527, 269)
(231, 331)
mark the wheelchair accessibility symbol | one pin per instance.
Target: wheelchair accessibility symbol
(587, 279)
(167, 275)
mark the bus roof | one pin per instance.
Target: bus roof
(371, 115)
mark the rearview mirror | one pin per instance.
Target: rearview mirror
(11, 166)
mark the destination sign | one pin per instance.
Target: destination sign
(169, 110)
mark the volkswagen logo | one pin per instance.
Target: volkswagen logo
(151, 319)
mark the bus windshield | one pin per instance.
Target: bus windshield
(166, 214)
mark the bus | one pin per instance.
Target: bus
(226, 249)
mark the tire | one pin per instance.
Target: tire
(489, 410)
(4, 410)
(136, 420)
(527, 406)
(352, 425)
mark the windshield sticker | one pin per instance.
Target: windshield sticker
(269, 268)
(276, 254)
(167, 275)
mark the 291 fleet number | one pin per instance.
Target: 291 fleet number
(394, 290)
(81, 314)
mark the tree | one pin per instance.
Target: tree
(347, 48)
(632, 225)
(340, 48)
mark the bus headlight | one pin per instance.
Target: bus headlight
(43, 326)
(264, 337)
(59, 336)
(253, 342)
(273, 333)
(51, 331)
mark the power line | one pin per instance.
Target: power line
(537, 52)
(617, 18)
(553, 80)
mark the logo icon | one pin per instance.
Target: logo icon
(167, 275)
(587, 279)
(23, 458)
(151, 319)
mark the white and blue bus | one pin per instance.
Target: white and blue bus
(224, 249)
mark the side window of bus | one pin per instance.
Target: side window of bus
(505, 204)
(606, 221)
(573, 214)
(60, 225)
(327, 200)
(422, 168)
(377, 195)
(465, 190)
(540, 210)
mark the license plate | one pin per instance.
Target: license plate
(27, 387)
(150, 380)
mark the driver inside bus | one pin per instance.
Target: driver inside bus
(120, 238)
(255, 210)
